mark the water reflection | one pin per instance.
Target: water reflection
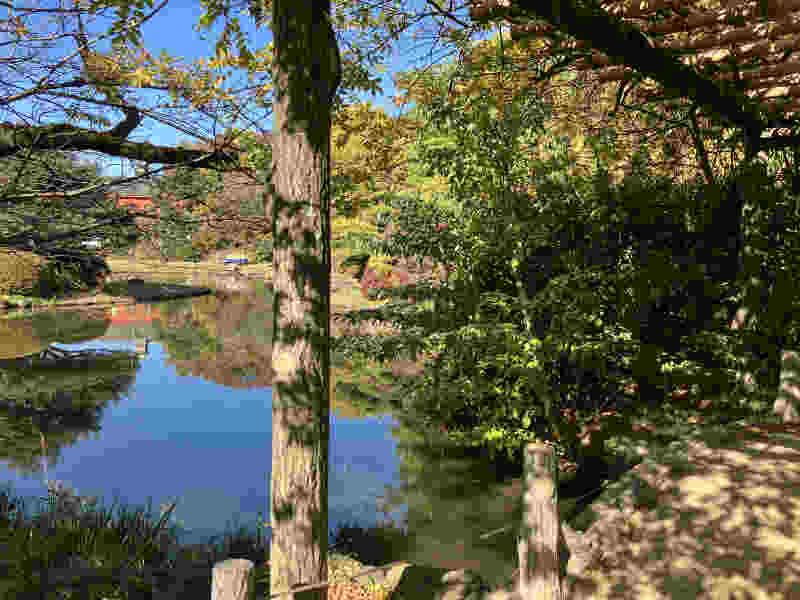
(194, 423)
(225, 338)
(194, 375)
(49, 397)
(454, 496)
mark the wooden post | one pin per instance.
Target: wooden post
(539, 567)
(787, 404)
(739, 321)
(232, 579)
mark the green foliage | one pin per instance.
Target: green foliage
(174, 230)
(257, 153)
(414, 229)
(252, 206)
(355, 234)
(342, 198)
(489, 380)
(359, 241)
(382, 219)
(554, 296)
(263, 251)
(59, 278)
(28, 214)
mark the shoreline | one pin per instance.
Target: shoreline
(122, 269)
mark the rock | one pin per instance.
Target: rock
(463, 584)
(581, 552)
(431, 583)
(163, 291)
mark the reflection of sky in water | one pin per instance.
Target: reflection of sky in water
(210, 447)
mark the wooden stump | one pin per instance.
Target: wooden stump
(233, 580)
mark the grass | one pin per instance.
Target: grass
(73, 527)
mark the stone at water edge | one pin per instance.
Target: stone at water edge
(463, 584)
(430, 583)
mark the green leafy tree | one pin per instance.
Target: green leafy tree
(35, 212)
(583, 277)
(175, 193)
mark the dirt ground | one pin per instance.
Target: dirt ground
(715, 516)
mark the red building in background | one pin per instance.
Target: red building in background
(136, 195)
(139, 203)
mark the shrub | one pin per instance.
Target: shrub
(414, 230)
(372, 282)
(20, 272)
(360, 242)
(59, 271)
(382, 219)
(263, 251)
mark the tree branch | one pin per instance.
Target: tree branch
(67, 137)
(625, 44)
(700, 147)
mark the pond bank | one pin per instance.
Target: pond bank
(145, 291)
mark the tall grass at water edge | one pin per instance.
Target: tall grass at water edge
(73, 527)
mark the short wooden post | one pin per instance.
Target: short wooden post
(787, 404)
(539, 567)
(232, 579)
(739, 322)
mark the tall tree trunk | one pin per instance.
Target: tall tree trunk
(306, 73)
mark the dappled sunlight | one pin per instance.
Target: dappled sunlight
(720, 524)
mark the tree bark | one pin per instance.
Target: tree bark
(306, 72)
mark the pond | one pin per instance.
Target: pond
(183, 413)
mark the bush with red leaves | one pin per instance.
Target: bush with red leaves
(680, 394)
(371, 282)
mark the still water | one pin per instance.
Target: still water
(208, 446)
(187, 416)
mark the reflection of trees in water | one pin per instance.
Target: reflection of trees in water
(70, 327)
(454, 494)
(33, 333)
(52, 399)
(224, 338)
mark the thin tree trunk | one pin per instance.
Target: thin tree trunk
(306, 73)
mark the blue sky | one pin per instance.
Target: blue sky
(172, 30)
